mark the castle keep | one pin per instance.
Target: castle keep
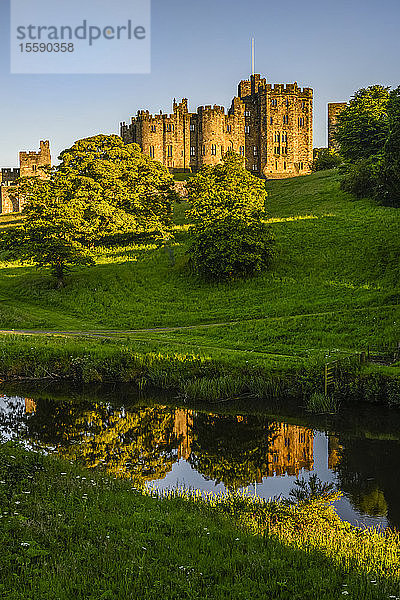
(30, 165)
(269, 125)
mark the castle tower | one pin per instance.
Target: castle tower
(31, 163)
(334, 110)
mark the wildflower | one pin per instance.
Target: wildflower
(25, 544)
(345, 592)
(62, 473)
(17, 502)
(26, 492)
(236, 539)
(143, 548)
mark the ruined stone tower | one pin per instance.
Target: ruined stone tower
(270, 126)
(31, 163)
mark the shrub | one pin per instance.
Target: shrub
(362, 178)
(230, 248)
(325, 158)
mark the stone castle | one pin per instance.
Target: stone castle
(271, 126)
(30, 165)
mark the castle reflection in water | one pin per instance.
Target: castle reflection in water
(288, 449)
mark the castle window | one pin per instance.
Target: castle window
(285, 119)
(153, 128)
(284, 149)
(277, 137)
(169, 151)
(192, 151)
(34, 167)
(277, 150)
(274, 102)
(151, 151)
(302, 438)
(275, 457)
(255, 150)
(192, 127)
(287, 441)
(271, 121)
(284, 137)
(303, 105)
(284, 166)
(203, 150)
(247, 113)
(301, 166)
(213, 149)
(247, 129)
(255, 168)
(241, 150)
(301, 121)
(228, 128)
(276, 165)
(287, 102)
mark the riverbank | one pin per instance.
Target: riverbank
(195, 375)
(68, 532)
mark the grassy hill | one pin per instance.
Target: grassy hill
(334, 286)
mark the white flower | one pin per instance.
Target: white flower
(25, 544)
(62, 473)
(345, 592)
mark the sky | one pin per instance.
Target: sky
(200, 49)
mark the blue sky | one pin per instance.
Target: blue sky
(201, 50)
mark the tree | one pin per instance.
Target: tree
(389, 181)
(363, 125)
(127, 179)
(228, 238)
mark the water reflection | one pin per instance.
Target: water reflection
(166, 445)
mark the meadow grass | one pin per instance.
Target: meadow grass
(68, 532)
(333, 289)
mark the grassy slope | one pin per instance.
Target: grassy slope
(340, 267)
(72, 533)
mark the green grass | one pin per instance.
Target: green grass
(71, 533)
(334, 287)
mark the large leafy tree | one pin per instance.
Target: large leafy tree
(125, 177)
(389, 188)
(363, 125)
(228, 237)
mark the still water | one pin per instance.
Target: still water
(261, 449)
